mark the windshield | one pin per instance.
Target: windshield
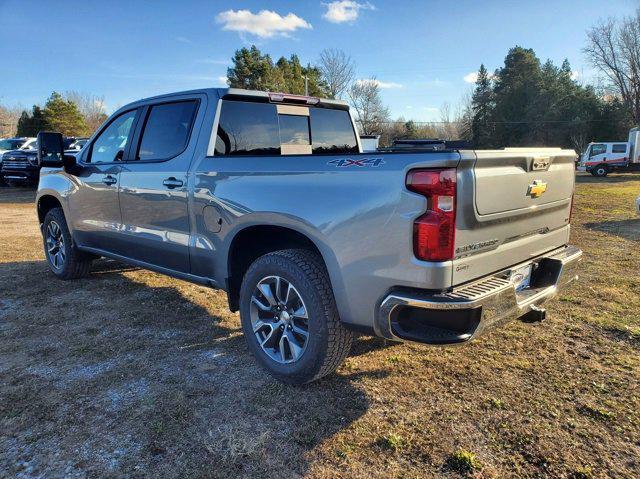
(11, 144)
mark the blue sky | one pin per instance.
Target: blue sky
(420, 51)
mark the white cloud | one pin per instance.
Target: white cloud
(222, 80)
(184, 40)
(264, 24)
(381, 84)
(575, 75)
(345, 10)
(471, 77)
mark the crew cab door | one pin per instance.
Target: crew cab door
(94, 205)
(153, 184)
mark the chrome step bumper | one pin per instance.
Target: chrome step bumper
(471, 309)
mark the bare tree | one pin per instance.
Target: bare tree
(614, 49)
(365, 98)
(92, 108)
(8, 120)
(337, 71)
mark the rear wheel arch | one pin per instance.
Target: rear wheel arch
(251, 242)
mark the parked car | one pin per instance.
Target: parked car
(17, 143)
(269, 197)
(601, 158)
(638, 205)
(76, 145)
(20, 167)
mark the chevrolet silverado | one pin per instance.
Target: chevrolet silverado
(269, 197)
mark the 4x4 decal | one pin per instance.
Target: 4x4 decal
(344, 162)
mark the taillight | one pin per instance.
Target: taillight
(434, 231)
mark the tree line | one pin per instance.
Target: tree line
(525, 102)
(72, 114)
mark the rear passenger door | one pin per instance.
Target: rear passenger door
(153, 185)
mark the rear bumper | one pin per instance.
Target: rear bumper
(471, 309)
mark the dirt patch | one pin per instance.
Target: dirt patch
(128, 373)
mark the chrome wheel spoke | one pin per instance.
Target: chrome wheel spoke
(284, 340)
(299, 330)
(295, 348)
(265, 289)
(301, 312)
(260, 305)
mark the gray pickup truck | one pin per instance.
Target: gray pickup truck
(269, 197)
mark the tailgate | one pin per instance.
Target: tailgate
(513, 205)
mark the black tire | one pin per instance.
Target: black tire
(75, 264)
(328, 342)
(600, 171)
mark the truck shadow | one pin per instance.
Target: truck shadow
(628, 229)
(122, 374)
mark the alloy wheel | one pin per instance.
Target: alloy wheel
(279, 319)
(55, 245)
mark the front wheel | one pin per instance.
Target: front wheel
(600, 171)
(63, 258)
(289, 317)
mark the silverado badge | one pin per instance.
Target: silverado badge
(537, 188)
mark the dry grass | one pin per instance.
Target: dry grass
(129, 373)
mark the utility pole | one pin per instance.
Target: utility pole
(306, 85)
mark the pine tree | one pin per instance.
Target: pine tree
(253, 70)
(63, 116)
(31, 125)
(481, 105)
(24, 124)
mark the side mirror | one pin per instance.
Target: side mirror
(50, 149)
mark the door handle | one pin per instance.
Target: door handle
(109, 180)
(172, 183)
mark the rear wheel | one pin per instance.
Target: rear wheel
(600, 171)
(289, 317)
(63, 258)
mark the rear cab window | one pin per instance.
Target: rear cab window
(619, 148)
(266, 129)
(166, 130)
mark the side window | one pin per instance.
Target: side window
(620, 148)
(247, 129)
(166, 130)
(332, 132)
(598, 149)
(110, 145)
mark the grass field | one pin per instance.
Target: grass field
(132, 374)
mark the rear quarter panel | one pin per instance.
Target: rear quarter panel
(359, 217)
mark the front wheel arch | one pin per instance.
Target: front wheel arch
(45, 204)
(600, 171)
